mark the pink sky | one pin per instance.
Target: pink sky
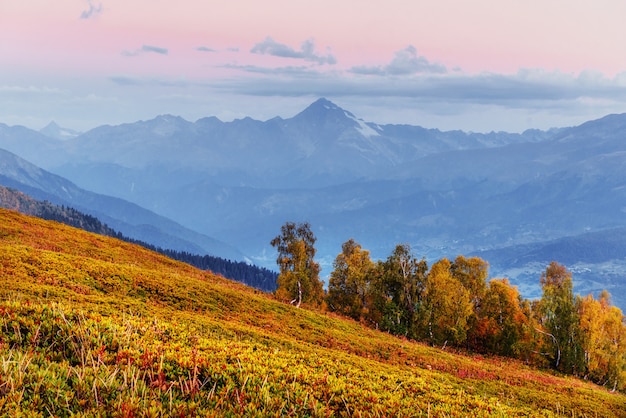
(88, 62)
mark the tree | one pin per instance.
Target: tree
(502, 323)
(603, 340)
(398, 290)
(298, 280)
(447, 306)
(472, 272)
(559, 318)
(349, 283)
(615, 343)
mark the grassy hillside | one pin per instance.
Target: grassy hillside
(94, 326)
(250, 275)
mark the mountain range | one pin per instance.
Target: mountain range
(519, 200)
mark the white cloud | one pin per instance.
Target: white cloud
(405, 62)
(30, 89)
(93, 10)
(307, 51)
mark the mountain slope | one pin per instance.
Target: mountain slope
(127, 218)
(250, 275)
(92, 325)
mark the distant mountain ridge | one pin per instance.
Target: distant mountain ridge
(130, 219)
(53, 130)
(445, 193)
(322, 145)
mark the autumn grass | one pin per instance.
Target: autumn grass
(90, 326)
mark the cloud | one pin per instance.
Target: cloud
(525, 88)
(92, 11)
(30, 89)
(530, 98)
(205, 49)
(306, 52)
(155, 49)
(145, 49)
(123, 80)
(405, 62)
(299, 71)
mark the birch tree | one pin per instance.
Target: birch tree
(298, 280)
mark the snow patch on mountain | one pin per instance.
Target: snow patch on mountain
(365, 129)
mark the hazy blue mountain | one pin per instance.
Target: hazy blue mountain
(28, 143)
(125, 217)
(445, 193)
(322, 145)
(53, 130)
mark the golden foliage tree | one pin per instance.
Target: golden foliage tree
(298, 281)
(472, 272)
(349, 282)
(503, 325)
(447, 306)
(604, 340)
(559, 319)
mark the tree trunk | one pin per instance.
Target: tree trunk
(299, 298)
(556, 343)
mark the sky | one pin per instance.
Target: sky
(481, 65)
